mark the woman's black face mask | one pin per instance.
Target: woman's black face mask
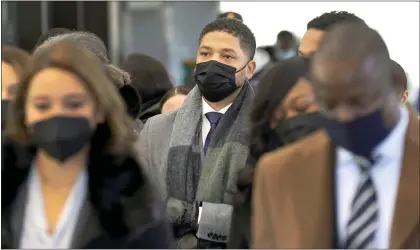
(296, 128)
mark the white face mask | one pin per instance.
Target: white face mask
(285, 54)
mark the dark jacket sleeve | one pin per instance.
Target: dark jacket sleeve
(240, 231)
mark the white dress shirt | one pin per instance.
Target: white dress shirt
(206, 123)
(35, 233)
(385, 176)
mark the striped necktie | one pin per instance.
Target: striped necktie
(362, 225)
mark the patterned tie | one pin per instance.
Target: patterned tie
(362, 225)
(214, 118)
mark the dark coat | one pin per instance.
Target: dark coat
(120, 211)
(150, 109)
(240, 232)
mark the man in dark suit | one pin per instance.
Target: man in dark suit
(355, 184)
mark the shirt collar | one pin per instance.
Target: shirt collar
(207, 108)
(390, 148)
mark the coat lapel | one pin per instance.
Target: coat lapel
(87, 227)
(406, 215)
(17, 216)
(313, 196)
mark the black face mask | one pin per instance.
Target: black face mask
(215, 80)
(361, 135)
(61, 136)
(4, 106)
(295, 128)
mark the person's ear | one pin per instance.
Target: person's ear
(404, 97)
(132, 100)
(250, 69)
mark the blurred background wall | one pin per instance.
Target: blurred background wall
(169, 30)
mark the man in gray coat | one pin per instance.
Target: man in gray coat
(194, 154)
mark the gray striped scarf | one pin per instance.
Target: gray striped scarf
(211, 178)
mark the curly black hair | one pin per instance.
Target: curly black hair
(234, 28)
(327, 20)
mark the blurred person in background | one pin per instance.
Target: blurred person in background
(13, 62)
(270, 51)
(284, 112)
(120, 78)
(173, 99)
(418, 101)
(354, 185)
(263, 62)
(400, 81)
(79, 186)
(151, 80)
(197, 151)
(317, 28)
(286, 45)
(231, 15)
(51, 33)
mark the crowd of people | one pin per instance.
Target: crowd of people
(303, 144)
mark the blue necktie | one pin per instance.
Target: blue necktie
(214, 118)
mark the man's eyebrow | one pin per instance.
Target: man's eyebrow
(205, 47)
(228, 50)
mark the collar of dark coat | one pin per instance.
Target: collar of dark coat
(115, 184)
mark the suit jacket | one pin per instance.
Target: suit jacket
(153, 148)
(293, 204)
(121, 210)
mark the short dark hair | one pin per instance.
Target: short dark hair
(173, 92)
(327, 20)
(236, 29)
(399, 77)
(51, 33)
(285, 35)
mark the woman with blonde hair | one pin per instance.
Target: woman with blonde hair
(78, 184)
